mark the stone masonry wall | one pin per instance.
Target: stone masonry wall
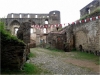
(82, 36)
(13, 50)
(88, 35)
(13, 57)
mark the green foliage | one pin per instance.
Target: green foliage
(33, 69)
(74, 49)
(31, 55)
(87, 56)
(55, 50)
(6, 37)
(1, 26)
(27, 69)
(84, 17)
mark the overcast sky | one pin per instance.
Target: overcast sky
(69, 9)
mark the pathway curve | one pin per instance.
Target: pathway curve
(62, 63)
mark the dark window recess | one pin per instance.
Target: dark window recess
(46, 19)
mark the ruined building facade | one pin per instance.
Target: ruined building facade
(90, 8)
(83, 35)
(15, 20)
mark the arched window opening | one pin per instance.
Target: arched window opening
(12, 16)
(47, 16)
(44, 30)
(88, 10)
(20, 16)
(54, 13)
(28, 16)
(31, 30)
(36, 16)
(57, 28)
(80, 47)
(15, 30)
(46, 21)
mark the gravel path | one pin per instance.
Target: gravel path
(55, 63)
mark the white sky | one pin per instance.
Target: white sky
(69, 9)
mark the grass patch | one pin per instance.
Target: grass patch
(27, 69)
(31, 69)
(31, 55)
(55, 50)
(87, 56)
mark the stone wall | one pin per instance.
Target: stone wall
(13, 51)
(13, 57)
(90, 7)
(23, 34)
(57, 40)
(88, 35)
(82, 36)
(15, 20)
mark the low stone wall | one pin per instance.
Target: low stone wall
(13, 51)
(13, 57)
(55, 40)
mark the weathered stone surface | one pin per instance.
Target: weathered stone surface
(87, 35)
(24, 32)
(82, 36)
(90, 8)
(13, 57)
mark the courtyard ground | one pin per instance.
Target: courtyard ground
(59, 62)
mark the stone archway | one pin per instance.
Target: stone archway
(81, 40)
(14, 27)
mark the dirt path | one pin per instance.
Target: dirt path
(62, 63)
(86, 64)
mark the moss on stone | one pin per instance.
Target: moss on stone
(6, 37)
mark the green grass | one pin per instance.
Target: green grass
(27, 69)
(31, 55)
(31, 69)
(55, 50)
(6, 37)
(87, 56)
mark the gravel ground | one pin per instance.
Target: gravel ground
(54, 62)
